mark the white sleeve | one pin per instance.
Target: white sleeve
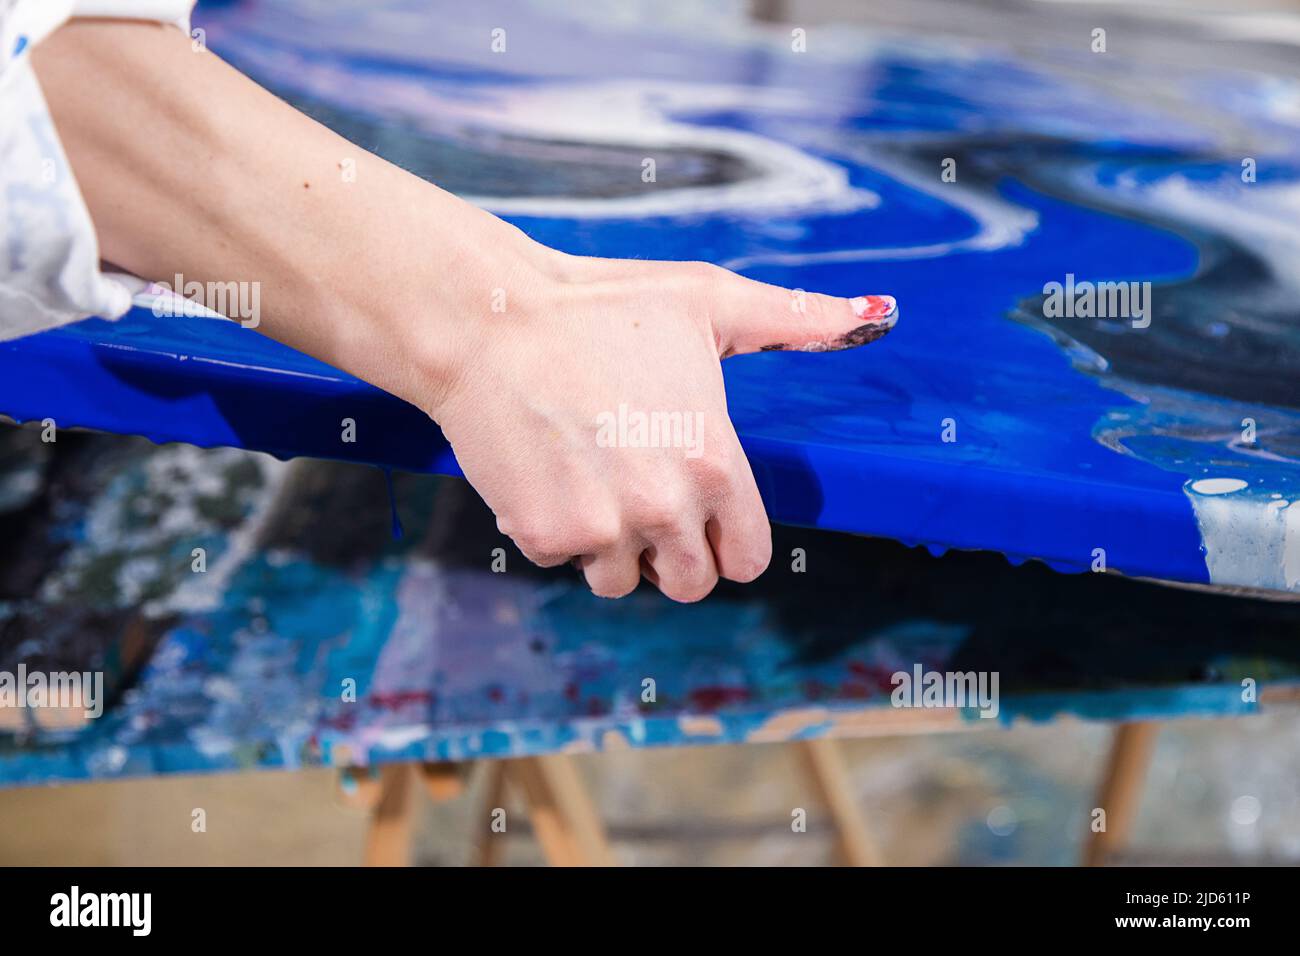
(49, 257)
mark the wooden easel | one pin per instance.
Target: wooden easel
(564, 819)
(569, 830)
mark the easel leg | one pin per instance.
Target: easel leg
(1121, 789)
(825, 763)
(443, 780)
(494, 798)
(388, 841)
(563, 816)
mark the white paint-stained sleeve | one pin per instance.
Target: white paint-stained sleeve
(49, 258)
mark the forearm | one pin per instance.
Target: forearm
(189, 168)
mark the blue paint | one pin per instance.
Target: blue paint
(1219, 700)
(850, 441)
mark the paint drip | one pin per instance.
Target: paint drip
(1251, 538)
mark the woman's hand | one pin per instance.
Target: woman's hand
(590, 415)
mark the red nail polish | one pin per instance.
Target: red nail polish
(875, 308)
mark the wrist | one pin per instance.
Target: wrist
(432, 315)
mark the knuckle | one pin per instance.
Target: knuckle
(691, 579)
(694, 279)
(712, 471)
(595, 535)
(538, 547)
(546, 543)
(538, 542)
(661, 512)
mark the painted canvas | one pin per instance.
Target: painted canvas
(254, 613)
(1092, 237)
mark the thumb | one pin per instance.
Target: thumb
(756, 317)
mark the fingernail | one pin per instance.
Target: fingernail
(875, 308)
(877, 315)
